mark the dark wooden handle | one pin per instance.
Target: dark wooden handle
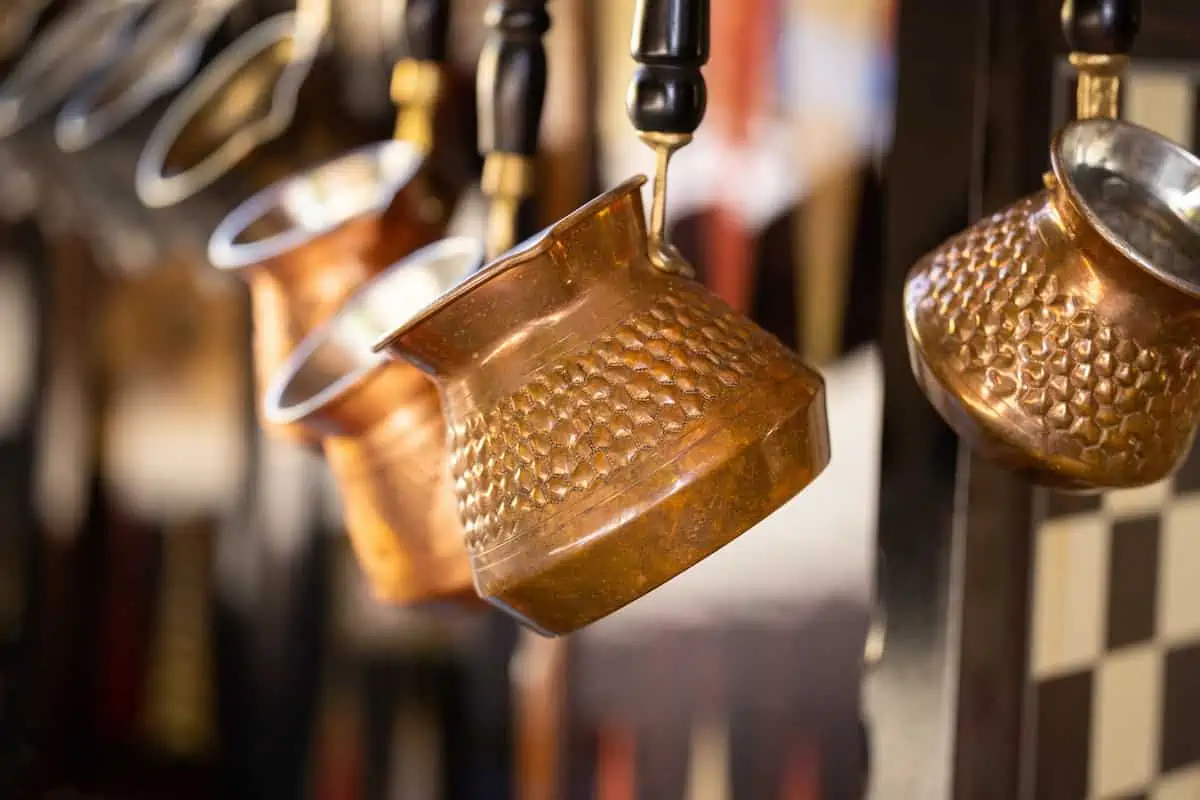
(512, 77)
(670, 44)
(1101, 27)
(426, 29)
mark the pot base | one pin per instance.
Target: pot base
(729, 478)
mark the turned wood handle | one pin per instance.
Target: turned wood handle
(426, 30)
(512, 77)
(1101, 27)
(670, 44)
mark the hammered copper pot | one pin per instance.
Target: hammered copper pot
(610, 424)
(1061, 335)
(381, 427)
(306, 243)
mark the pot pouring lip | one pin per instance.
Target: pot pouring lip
(522, 253)
(345, 340)
(1151, 163)
(388, 165)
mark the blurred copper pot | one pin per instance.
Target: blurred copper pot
(163, 54)
(1061, 336)
(611, 423)
(382, 430)
(306, 243)
(83, 40)
(242, 101)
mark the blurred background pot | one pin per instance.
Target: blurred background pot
(306, 243)
(382, 430)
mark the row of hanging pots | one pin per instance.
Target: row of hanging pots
(610, 422)
(576, 422)
(565, 428)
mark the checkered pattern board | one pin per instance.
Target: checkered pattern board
(1116, 643)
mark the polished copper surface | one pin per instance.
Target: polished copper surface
(610, 424)
(1061, 336)
(305, 244)
(382, 431)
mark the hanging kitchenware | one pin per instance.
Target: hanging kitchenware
(163, 54)
(382, 430)
(83, 40)
(307, 242)
(243, 101)
(381, 420)
(1060, 336)
(611, 421)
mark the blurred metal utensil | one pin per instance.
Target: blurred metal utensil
(86, 38)
(165, 52)
(244, 99)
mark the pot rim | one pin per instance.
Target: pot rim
(83, 121)
(522, 253)
(1062, 171)
(157, 189)
(395, 164)
(463, 253)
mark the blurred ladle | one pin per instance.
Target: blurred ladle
(85, 39)
(244, 99)
(165, 52)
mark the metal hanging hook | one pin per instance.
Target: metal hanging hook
(667, 99)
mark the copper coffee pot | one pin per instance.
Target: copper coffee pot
(382, 432)
(611, 421)
(1061, 336)
(238, 107)
(380, 420)
(307, 242)
(163, 54)
(71, 48)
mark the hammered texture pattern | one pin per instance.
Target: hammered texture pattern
(987, 305)
(594, 414)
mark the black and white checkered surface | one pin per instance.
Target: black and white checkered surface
(1116, 643)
